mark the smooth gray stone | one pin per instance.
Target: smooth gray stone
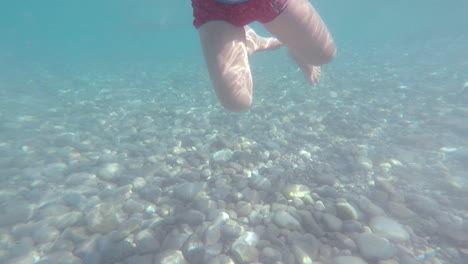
(140, 259)
(174, 240)
(14, 212)
(191, 217)
(270, 255)
(146, 242)
(388, 228)
(60, 257)
(68, 220)
(54, 170)
(422, 204)
(187, 191)
(125, 229)
(222, 156)
(346, 211)
(170, 257)
(76, 234)
(243, 208)
(260, 183)
(231, 229)
(101, 218)
(348, 260)
(309, 223)
(373, 247)
(344, 242)
(75, 200)
(45, 234)
(285, 220)
(305, 245)
(52, 209)
(114, 252)
(194, 249)
(244, 253)
(369, 208)
(332, 223)
(132, 206)
(79, 178)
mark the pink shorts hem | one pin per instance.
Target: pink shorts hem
(242, 14)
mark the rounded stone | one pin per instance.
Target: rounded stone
(346, 211)
(14, 211)
(284, 220)
(332, 223)
(110, 171)
(388, 228)
(102, 218)
(296, 191)
(374, 247)
(244, 253)
(187, 191)
(243, 208)
(348, 260)
(223, 155)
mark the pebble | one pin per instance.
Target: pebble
(346, 211)
(285, 220)
(422, 204)
(309, 223)
(194, 249)
(190, 217)
(68, 220)
(223, 155)
(67, 139)
(260, 183)
(54, 170)
(139, 183)
(291, 191)
(270, 255)
(187, 191)
(369, 207)
(146, 242)
(125, 229)
(131, 206)
(348, 260)
(15, 211)
(60, 257)
(244, 253)
(231, 229)
(388, 228)
(374, 247)
(110, 171)
(45, 234)
(75, 200)
(332, 223)
(102, 218)
(243, 208)
(170, 257)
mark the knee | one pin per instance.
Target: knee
(327, 55)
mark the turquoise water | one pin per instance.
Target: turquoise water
(114, 148)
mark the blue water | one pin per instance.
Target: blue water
(88, 87)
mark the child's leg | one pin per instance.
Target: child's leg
(227, 49)
(300, 28)
(226, 56)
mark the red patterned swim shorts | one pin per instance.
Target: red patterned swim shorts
(241, 14)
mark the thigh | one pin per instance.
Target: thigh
(226, 56)
(302, 30)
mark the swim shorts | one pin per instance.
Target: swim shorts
(238, 14)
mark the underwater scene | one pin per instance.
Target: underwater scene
(114, 147)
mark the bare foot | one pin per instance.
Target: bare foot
(256, 43)
(311, 72)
